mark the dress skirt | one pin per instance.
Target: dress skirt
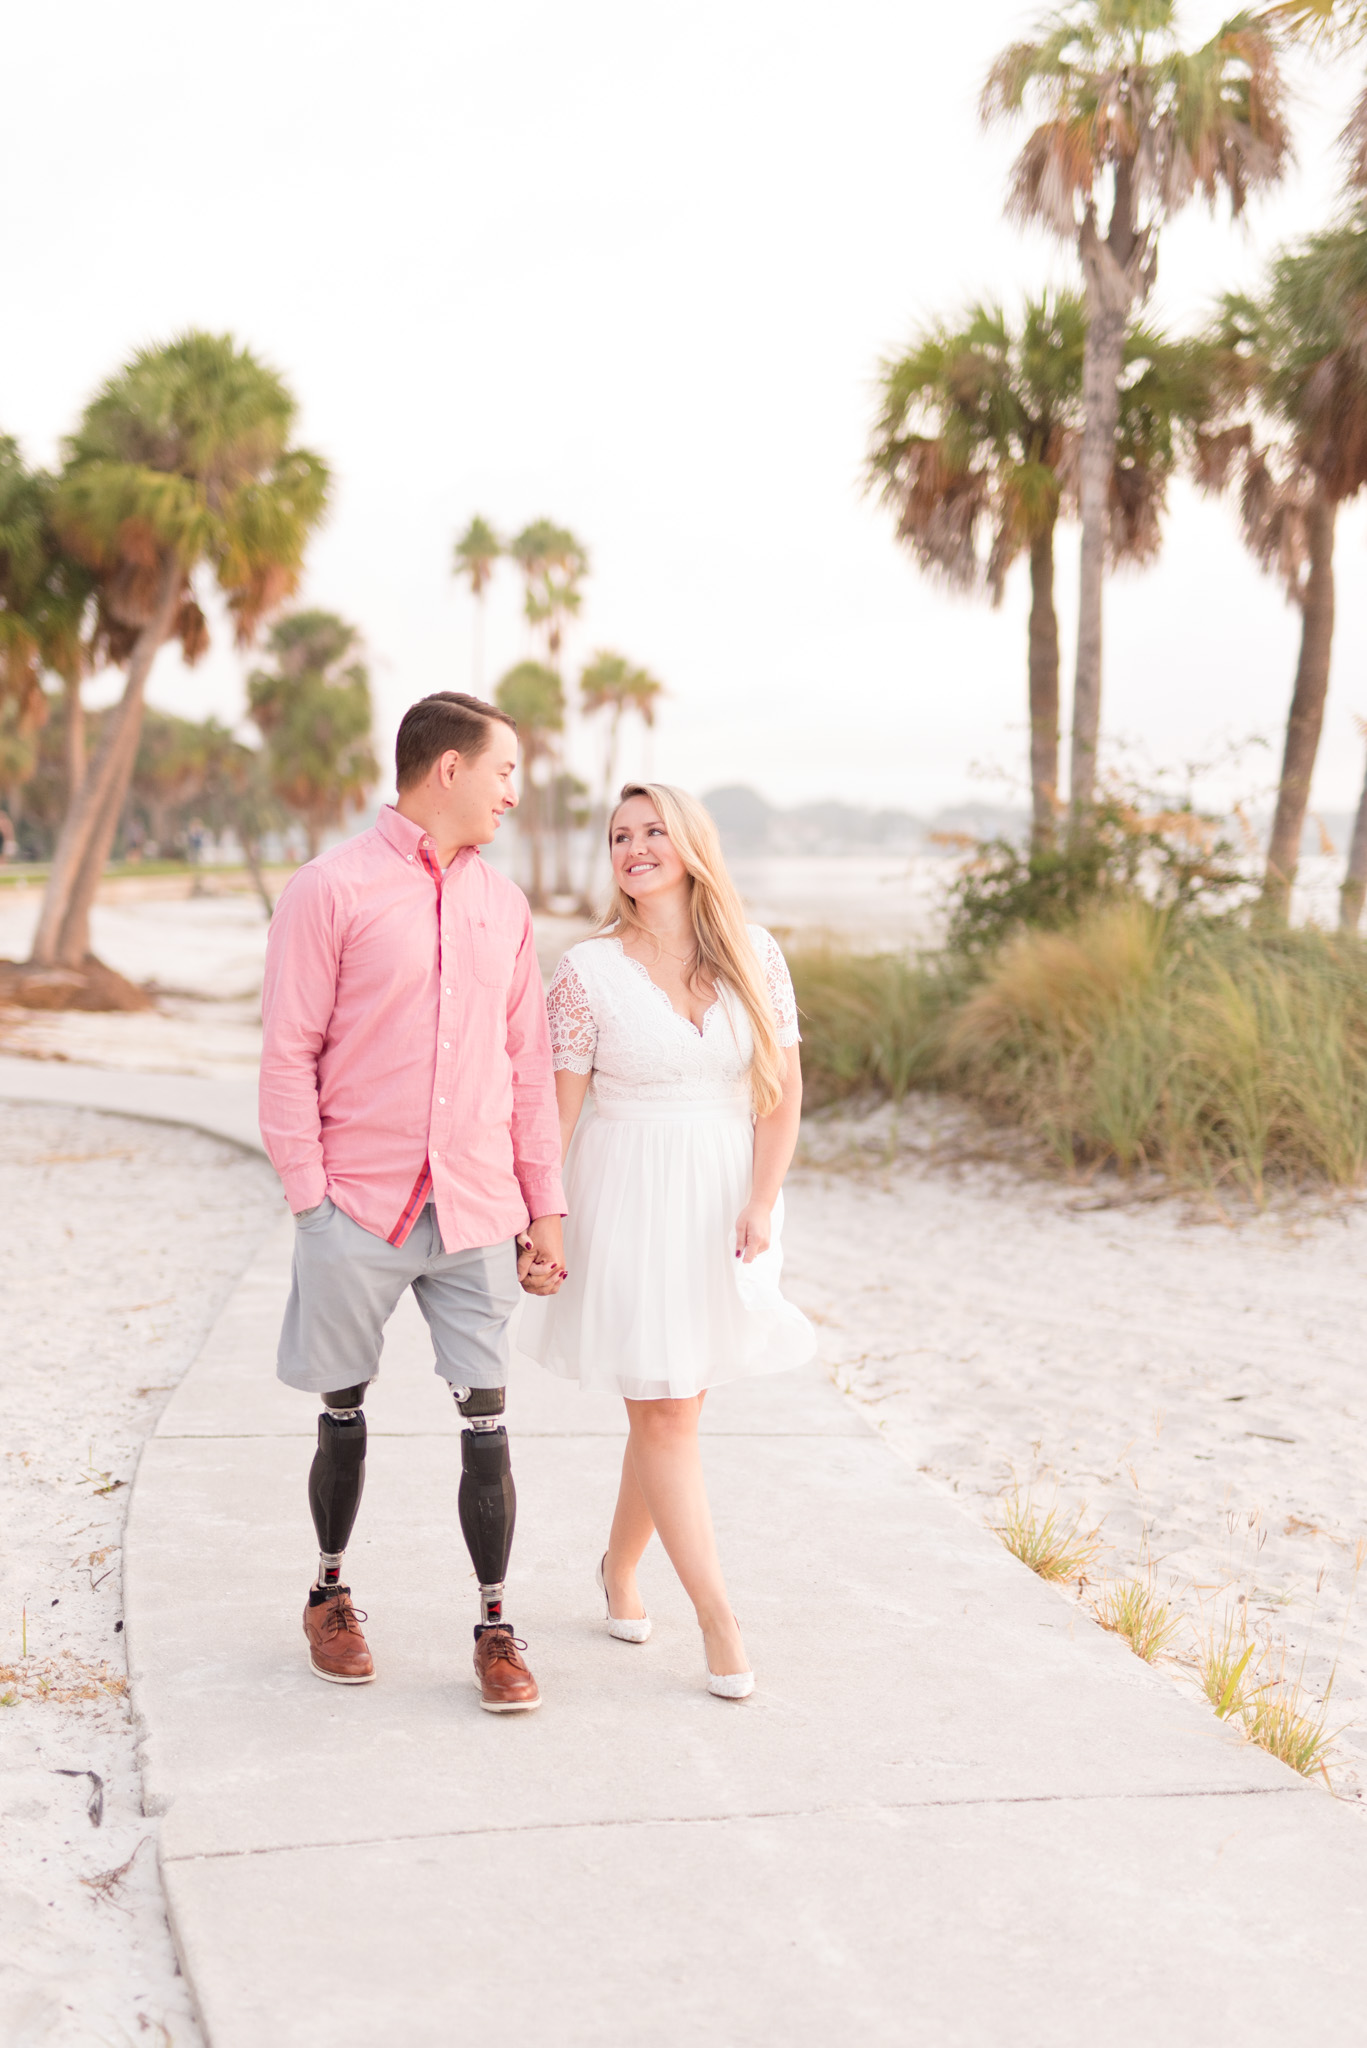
(657, 1305)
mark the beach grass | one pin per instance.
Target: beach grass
(1213, 1053)
(1131, 1609)
(1055, 1548)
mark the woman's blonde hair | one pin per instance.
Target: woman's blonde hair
(724, 951)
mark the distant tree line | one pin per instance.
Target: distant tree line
(553, 565)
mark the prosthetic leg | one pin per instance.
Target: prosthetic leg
(332, 1626)
(337, 1479)
(488, 1498)
(488, 1510)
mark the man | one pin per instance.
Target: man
(408, 1105)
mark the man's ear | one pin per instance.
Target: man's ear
(447, 764)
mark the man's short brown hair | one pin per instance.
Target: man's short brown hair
(446, 721)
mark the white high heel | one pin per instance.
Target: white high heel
(624, 1631)
(730, 1685)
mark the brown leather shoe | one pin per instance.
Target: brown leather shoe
(337, 1649)
(506, 1686)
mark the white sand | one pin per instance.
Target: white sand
(121, 1241)
(1195, 1379)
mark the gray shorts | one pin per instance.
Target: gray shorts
(346, 1286)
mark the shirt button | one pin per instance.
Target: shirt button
(446, 991)
(410, 857)
(446, 1045)
(435, 1154)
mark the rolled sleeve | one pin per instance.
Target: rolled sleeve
(535, 1119)
(297, 1000)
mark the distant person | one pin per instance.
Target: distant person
(9, 845)
(408, 1104)
(683, 1019)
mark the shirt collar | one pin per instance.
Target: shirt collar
(406, 837)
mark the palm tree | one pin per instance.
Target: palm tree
(554, 565)
(1126, 119)
(44, 607)
(1300, 354)
(315, 716)
(610, 683)
(475, 553)
(975, 452)
(534, 698)
(183, 459)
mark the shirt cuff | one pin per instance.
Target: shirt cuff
(543, 1195)
(305, 1187)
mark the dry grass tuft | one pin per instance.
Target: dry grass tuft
(1131, 1609)
(1280, 1720)
(1055, 1549)
(60, 1680)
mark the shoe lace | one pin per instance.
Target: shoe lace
(503, 1644)
(343, 1617)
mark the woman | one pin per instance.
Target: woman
(683, 1019)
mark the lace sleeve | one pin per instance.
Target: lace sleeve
(780, 985)
(574, 1035)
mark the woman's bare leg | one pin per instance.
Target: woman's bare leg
(632, 1529)
(667, 1466)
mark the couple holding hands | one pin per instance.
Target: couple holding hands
(418, 1097)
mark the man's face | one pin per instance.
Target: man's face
(480, 786)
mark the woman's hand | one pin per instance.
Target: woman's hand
(540, 1267)
(754, 1229)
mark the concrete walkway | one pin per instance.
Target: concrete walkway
(954, 1813)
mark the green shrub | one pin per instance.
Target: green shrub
(871, 1023)
(1141, 849)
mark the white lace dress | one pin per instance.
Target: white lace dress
(657, 1303)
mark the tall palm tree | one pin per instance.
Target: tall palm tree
(314, 712)
(183, 459)
(975, 452)
(1298, 354)
(473, 558)
(1129, 123)
(610, 683)
(534, 698)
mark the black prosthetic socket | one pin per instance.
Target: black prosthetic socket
(337, 1480)
(488, 1498)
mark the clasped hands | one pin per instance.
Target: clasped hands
(541, 1256)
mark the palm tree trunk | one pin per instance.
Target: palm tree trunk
(75, 740)
(251, 853)
(477, 648)
(1101, 400)
(1355, 881)
(63, 935)
(1117, 272)
(1306, 719)
(1043, 691)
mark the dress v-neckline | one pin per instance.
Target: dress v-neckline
(699, 1030)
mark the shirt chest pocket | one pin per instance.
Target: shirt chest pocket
(491, 954)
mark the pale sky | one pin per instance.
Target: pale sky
(630, 267)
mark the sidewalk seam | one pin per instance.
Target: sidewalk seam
(687, 1820)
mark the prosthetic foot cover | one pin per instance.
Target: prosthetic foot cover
(488, 1502)
(337, 1480)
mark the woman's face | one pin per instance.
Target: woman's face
(644, 860)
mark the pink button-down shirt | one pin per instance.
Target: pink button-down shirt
(406, 1050)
